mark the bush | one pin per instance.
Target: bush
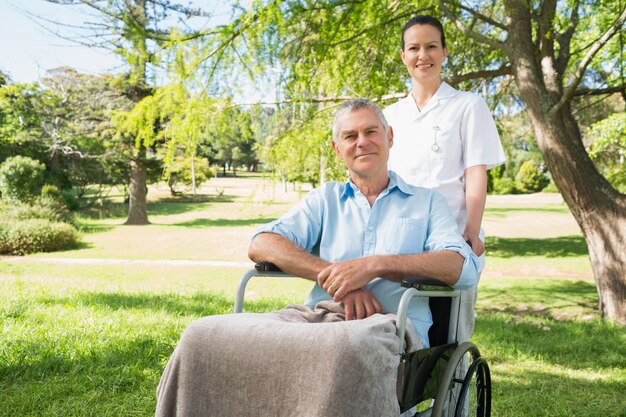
(550, 188)
(530, 178)
(21, 178)
(493, 174)
(504, 185)
(36, 235)
(44, 208)
(50, 192)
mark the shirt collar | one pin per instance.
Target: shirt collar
(395, 182)
(444, 91)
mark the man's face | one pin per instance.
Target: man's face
(362, 142)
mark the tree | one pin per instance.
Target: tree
(552, 62)
(64, 122)
(133, 30)
(81, 152)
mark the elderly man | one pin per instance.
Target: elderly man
(370, 232)
(356, 240)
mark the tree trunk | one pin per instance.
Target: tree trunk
(193, 175)
(597, 207)
(599, 210)
(137, 209)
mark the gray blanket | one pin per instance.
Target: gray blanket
(294, 362)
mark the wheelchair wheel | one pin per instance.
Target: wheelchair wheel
(465, 388)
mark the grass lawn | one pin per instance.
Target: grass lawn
(91, 338)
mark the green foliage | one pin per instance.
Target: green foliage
(550, 188)
(21, 178)
(35, 235)
(24, 111)
(44, 207)
(297, 153)
(140, 124)
(39, 225)
(59, 201)
(504, 185)
(180, 173)
(64, 123)
(608, 148)
(492, 175)
(530, 179)
(232, 136)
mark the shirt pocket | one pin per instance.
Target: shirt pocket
(404, 236)
(446, 143)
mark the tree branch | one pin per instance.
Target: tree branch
(586, 61)
(545, 44)
(384, 24)
(484, 18)
(316, 100)
(565, 40)
(468, 31)
(505, 69)
(599, 91)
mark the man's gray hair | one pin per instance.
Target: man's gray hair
(357, 104)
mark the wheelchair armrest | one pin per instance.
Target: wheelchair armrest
(267, 267)
(423, 287)
(261, 269)
(425, 284)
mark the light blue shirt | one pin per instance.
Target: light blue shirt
(336, 222)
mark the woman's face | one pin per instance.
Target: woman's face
(423, 53)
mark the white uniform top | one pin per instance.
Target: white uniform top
(433, 147)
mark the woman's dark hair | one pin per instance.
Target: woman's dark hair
(424, 20)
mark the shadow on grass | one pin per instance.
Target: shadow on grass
(541, 392)
(224, 222)
(556, 321)
(543, 297)
(95, 228)
(572, 344)
(555, 247)
(174, 206)
(198, 305)
(504, 211)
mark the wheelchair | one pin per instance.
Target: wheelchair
(448, 378)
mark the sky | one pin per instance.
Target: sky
(29, 46)
(27, 49)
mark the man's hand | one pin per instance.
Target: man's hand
(360, 304)
(340, 278)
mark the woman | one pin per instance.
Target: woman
(444, 139)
